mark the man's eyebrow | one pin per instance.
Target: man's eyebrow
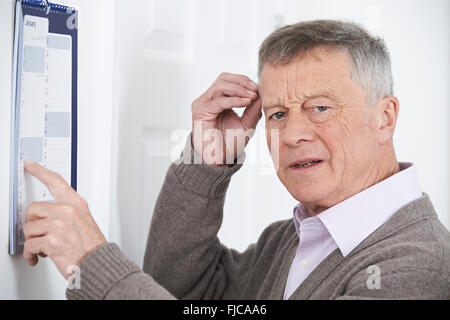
(271, 105)
(327, 93)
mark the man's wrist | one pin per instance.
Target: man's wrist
(203, 178)
(100, 271)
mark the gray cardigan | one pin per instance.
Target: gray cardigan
(184, 258)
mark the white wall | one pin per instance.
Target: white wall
(142, 63)
(96, 34)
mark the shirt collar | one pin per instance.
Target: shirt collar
(354, 219)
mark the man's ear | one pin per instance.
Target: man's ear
(386, 113)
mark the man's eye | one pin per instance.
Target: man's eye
(321, 108)
(278, 115)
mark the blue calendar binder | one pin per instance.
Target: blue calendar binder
(44, 104)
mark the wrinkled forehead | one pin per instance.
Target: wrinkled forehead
(314, 73)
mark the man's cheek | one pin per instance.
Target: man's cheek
(275, 148)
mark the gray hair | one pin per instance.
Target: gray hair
(370, 63)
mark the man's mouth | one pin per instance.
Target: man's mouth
(306, 164)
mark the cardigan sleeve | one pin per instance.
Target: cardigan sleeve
(183, 251)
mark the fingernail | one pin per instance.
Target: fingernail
(252, 93)
(28, 163)
(254, 84)
(246, 99)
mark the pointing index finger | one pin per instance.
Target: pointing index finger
(53, 181)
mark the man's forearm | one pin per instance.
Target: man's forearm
(183, 249)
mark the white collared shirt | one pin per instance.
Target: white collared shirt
(348, 223)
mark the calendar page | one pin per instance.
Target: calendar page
(45, 106)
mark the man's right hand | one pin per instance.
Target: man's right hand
(219, 135)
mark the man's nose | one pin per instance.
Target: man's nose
(297, 129)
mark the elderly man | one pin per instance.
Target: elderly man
(363, 228)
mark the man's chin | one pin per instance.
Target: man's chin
(311, 195)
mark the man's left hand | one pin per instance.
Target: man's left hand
(64, 230)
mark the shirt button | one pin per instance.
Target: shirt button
(304, 263)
